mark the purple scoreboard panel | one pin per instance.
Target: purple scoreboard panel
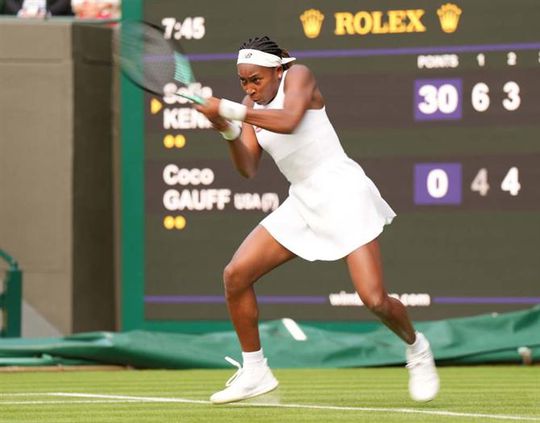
(438, 99)
(437, 183)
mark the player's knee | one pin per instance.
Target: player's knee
(229, 274)
(376, 303)
(234, 279)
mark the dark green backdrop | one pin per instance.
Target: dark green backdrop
(474, 255)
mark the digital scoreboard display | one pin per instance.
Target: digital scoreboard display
(439, 102)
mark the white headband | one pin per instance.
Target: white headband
(260, 58)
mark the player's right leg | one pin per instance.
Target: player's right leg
(365, 268)
(256, 256)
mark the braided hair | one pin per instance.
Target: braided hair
(268, 46)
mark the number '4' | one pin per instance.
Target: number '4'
(480, 182)
(510, 182)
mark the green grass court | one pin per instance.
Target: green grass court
(468, 394)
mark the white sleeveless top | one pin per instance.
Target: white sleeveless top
(333, 207)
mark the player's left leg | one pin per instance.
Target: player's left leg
(365, 268)
(258, 255)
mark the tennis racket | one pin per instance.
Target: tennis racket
(151, 61)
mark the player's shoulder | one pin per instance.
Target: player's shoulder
(300, 74)
(299, 69)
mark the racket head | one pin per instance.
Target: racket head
(150, 61)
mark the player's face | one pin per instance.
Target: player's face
(259, 82)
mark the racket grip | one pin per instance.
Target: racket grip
(231, 110)
(232, 132)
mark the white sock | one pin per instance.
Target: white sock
(253, 358)
(418, 345)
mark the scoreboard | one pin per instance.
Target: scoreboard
(439, 102)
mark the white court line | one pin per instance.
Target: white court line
(69, 402)
(130, 398)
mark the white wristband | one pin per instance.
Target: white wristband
(231, 110)
(232, 132)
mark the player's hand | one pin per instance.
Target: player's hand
(210, 109)
(219, 124)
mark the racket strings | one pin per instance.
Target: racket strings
(158, 60)
(152, 61)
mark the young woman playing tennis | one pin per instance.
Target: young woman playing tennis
(333, 210)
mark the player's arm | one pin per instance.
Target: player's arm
(299, 87)
(244, 149)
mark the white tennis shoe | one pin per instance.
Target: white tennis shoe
(423, 377)
(247, 382)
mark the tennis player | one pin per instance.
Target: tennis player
(333, 211)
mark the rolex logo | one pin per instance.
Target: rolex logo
(449, 16)
(312, 20)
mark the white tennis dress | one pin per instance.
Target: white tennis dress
(333, 207)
